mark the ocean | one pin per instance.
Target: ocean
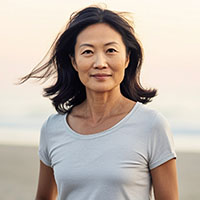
(23, 126)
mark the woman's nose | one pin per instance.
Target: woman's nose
(100, 62)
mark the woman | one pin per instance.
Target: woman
(103, 143)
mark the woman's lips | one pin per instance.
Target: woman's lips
(100, 76)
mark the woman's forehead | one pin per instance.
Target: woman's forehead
(99, 33)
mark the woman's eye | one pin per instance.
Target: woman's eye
(111, 50)
(87, 52)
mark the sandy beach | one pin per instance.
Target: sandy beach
(20, 165)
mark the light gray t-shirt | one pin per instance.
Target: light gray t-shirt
(113, 164)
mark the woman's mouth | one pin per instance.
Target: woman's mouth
(101, 76)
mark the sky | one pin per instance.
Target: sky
(168, 30)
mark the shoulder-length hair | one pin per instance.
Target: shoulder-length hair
(67, 91)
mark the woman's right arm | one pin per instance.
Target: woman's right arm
(47, 189)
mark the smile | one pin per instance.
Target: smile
(101, 76)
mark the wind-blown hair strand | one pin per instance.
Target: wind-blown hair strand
(67, 90)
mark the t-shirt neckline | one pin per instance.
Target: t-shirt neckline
(102, 133)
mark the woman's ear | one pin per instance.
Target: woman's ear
(73, 61)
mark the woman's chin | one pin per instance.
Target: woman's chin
(99, 89)
(102, 88)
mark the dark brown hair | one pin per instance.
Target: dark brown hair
(68, 91)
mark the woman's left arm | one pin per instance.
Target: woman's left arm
(165, 183)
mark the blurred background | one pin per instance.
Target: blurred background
(169, 32)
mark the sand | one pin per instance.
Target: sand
(19, 168)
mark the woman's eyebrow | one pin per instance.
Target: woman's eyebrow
(90, 45)
(109, 43)
(85, 44)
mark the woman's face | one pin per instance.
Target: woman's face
(100, 58)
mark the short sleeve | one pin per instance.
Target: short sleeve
(43, 146)
(160, 144)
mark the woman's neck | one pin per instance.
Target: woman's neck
(99, 106)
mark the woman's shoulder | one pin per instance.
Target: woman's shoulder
(146, 111)
(152, 115)
(54, 120)
(154, 123)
